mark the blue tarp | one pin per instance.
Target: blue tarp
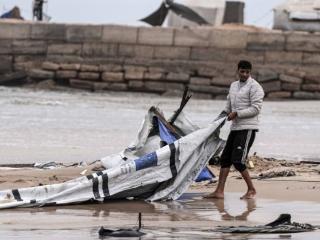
(167, 137)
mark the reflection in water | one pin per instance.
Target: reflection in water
(192, 217)
(225, 216)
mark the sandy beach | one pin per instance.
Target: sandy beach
(191, 217)
(75, 127)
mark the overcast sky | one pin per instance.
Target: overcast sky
(257, 12)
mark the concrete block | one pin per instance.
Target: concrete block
(29, 47)
(178, 77)
(89, 75)
(50, 66)
(60, 58)
(48, 31)
(66, 74)
(306, 95)
(197, 95)
(65, 49)
(196, 36)
(162, 87)
(302, 41)
(81, 84)
(100, 50)
(155, 36)
(172, 52)
(280, 94)
(5, 46)
(209, 89)
(100, 86)
(13, 78)
(311, 87)
(222, 81)
(80, 33)
(261, 41)
(311, 58)
(129, 68)
(154, 76)
(283, 57)
(89, 68)
(110, 67)
(70, 66)
(14, 30)
(112, 76)
(6, 64)
(312, 79)
(290, 87)
(274, 86)
(296, 72)
(200, 81)
(207, 72)
(235, 55)
(138, 51)
(142, 51)
(208, 54)
(41, 74)
(126, 50)
(131, 75)
(228, 39)
(290, 79)
(135, 85)
(119, 34)
(156, 70)
(46, 84)
(265, 75)
(118, 86)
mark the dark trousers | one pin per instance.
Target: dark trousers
(237, 148)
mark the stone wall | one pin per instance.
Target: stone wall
(159, 60)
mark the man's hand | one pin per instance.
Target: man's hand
(232, 116)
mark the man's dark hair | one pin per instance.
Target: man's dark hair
(244, 64)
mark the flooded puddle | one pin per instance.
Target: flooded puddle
(189, 218)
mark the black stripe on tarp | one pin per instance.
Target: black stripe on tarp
(95, 188)
(16, 195)
(105, 185)
(173, 160)
(100, 173)
(89, 177)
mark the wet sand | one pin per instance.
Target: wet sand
(192, 217)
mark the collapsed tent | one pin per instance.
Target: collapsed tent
(160, 165)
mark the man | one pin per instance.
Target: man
(243, 106)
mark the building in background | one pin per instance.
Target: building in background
(298, 15)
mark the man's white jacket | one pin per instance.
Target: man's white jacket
(246, 99)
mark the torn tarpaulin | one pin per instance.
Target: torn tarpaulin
(149, 172)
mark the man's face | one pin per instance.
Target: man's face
(244, 74)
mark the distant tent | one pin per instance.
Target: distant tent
(14, 13)
(298, 15)
(158, 17)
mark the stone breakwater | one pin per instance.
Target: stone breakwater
(159, 60)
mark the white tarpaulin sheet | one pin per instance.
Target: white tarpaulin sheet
(143, 170)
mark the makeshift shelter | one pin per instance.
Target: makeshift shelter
(160, 164)
(14, 13)
(298, 15)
